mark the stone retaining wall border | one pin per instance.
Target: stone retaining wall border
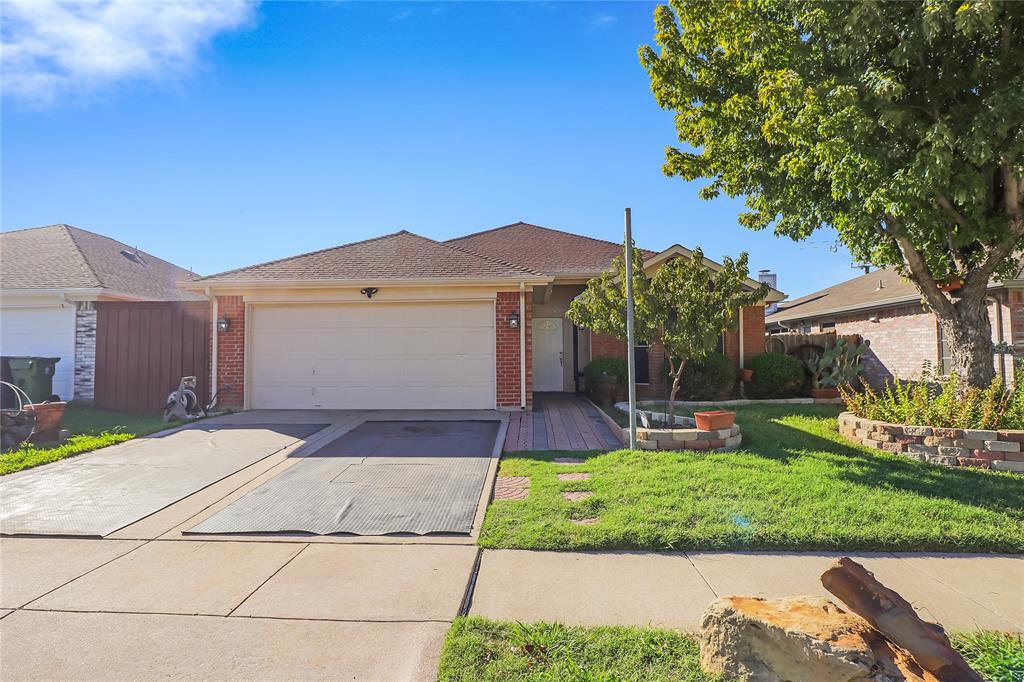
(1001, 450)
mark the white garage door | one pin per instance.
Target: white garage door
(373, 356)
(45, 332)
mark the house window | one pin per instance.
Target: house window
(945, 356)
(827, 325)
(641, 363)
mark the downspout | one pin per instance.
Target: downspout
(522, 345)
(741, 337)
(213, 346)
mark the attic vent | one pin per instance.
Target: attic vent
(134, 256)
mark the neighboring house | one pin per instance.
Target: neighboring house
(402, 321)
(50, 280)
(886, 309)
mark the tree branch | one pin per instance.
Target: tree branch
(926, 284)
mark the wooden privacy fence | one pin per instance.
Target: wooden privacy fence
(143, 350)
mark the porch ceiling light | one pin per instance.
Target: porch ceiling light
(368, 292)
(513, 320)
(223, 324)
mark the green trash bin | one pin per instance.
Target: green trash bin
(34, 376)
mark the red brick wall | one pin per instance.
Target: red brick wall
(1015, 308)
(604, 346)
(901, 340)
(231, 352)
(507, 349)
(753, 336)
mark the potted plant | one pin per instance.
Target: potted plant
(746, 374)
(714, 420)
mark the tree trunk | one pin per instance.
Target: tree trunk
(968, 334)
(676, 373)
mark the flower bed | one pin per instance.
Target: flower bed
(689, 437)
(999, 450)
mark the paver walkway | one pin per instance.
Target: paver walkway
(559, 421)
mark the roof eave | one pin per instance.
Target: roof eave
(203, 285)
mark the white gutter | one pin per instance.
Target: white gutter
(522, 345)
(213, 344)
(335, 283)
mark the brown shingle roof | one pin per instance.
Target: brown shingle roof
(543, 249)
(66, 257)
(878, 288)
(399, 256)
(874, 290)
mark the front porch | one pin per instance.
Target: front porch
(559, 421)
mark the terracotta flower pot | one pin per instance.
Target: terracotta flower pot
(713, 421)
(824, 392)
(746, 375)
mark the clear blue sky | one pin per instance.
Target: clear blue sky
(311, 125)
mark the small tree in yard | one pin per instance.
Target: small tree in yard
(685, 306)
(899, 124)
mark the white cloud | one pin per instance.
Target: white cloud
(601, 21)
(51, 48)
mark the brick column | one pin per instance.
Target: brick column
(231, 352)
(507, 368)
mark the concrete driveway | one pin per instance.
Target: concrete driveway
(147, 601)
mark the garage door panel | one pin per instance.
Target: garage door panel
(359, 356)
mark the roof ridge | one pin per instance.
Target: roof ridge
(491, 259)
(66, 230)
(542, 227)
(308, 253)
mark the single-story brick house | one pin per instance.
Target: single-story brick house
(51, 279)
(403, 321)
(886, 309)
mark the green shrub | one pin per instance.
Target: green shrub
(614, 367)
(712, 378)
(776, 375)
(942, 402)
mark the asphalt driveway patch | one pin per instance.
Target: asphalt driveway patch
(383, 477)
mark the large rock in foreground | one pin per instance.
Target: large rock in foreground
(799, 639)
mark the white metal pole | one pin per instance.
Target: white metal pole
(630, 341)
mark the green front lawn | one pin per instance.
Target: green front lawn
(794, 485)
(91, 429)
(481, 649)
(478, 649)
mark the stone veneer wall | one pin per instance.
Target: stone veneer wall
(689, 437)
(85, 351)
(999, 450)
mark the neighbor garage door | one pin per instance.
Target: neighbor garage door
(372, 355)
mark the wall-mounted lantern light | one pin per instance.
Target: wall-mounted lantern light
(368, 292)
(513, 320)
(223, 324)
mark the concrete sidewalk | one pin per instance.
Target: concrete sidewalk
(959, 591)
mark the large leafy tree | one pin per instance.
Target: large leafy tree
(685, 305)
(900, 124)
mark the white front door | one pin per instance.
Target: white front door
(547, 354)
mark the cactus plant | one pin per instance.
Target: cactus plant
(843, 361)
